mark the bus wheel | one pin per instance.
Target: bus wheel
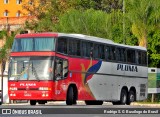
(71, 96)
(131, 97)
(32, 102)
(88, 102)
(123, 98)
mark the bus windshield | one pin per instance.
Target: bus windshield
(31, 68)
(33, 44)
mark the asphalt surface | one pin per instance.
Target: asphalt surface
(61, 108)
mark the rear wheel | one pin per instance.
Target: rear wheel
(32, 102)
(93, 102)
(71, 96)
(123, 97)
(131, 97)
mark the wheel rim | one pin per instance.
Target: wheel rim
(131, 98)
(124, 99)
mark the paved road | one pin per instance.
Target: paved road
(105, 110)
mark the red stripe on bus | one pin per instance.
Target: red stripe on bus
(33, 54)
(37, 35)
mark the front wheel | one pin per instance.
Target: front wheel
(71, 96)
(32, 102)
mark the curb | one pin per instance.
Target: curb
(149, 105)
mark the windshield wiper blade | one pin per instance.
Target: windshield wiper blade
(35, 73)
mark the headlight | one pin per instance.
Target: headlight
(44, 88)
(13, 88)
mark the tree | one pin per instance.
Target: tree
(4, 54)
(47, 13)
(154, 48)
(141, 13)
(5, 50)
(90, 22)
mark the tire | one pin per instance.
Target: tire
(123, 97)
(93, 102)
(32, 102)
(131, 97)
(71, 96)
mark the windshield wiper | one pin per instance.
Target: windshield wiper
(35, 72)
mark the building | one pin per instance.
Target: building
(13, 8)
(13, 15)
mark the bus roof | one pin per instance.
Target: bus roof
(29, 35)
(100, 40)
(79, 36)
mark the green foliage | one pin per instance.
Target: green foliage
(2, 34)
(154, 48)
(143, 15)
(90, 22)
(4, 51)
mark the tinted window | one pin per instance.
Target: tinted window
(33, 44)
(130, 56)
(74, 47)
(87, 49)
(62, 45)
(144, 58)
(107, 53)
(141, 58)
(121, 54)
(99, 51)
(110, 53)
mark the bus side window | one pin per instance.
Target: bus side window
(61, 69)
(65, 68)
(123, 54)
(144, 58)
(58, 69)
(107, 53)
(74, 47)
(62, 45)
(118, 56)
(130, 56)
(87, 49)
(96, 51)
(113, 53)
(101, 52)
(137, 62)
(139, 58)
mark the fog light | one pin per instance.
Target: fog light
(43, 95)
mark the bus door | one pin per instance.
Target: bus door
(61, 73)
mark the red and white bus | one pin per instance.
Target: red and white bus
(69, 67)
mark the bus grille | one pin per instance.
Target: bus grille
(27, 89)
